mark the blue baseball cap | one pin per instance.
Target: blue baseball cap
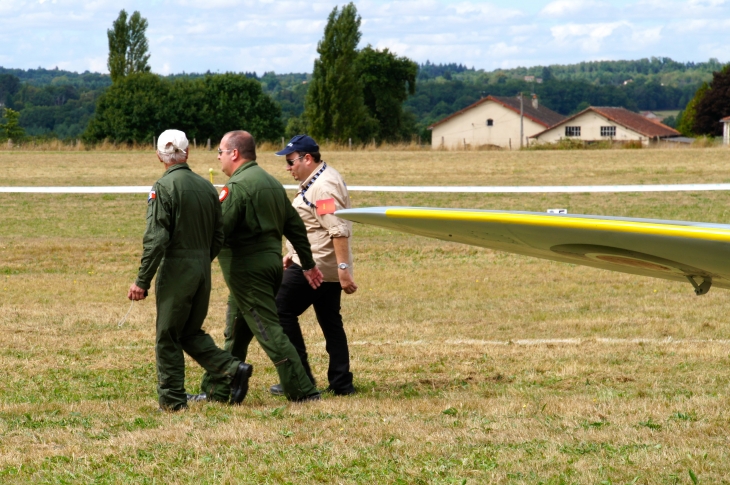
(301, 144)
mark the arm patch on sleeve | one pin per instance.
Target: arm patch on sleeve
(326, 206)
(224, 194)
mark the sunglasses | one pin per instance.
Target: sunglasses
(291, 162)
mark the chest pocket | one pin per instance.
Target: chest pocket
(244, 209)
(251, 218)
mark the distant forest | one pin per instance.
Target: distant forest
(57, 103)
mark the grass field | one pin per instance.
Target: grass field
(472, 366)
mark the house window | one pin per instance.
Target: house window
(490, 122)
(608, 131)
(572, 131)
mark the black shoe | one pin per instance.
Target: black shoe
(170, 409)
(197, 397)
(312, 397)
(276, 390)
(341, 392)
(239, 385)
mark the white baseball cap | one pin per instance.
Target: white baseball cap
(170, 141)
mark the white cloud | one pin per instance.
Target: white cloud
(294, 28)
(707, 3)
(642, 37)
(502, 50)
(96, 64)
(700, 26)
(562, 8)
(595, 32)
(265, 35)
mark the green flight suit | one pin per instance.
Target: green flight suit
(184, 233)
(256, 214)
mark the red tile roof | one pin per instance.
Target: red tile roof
(542, 115)
(627, 119)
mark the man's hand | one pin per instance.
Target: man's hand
(314, 277)
(287, 260)
(346, 281)
(136, 293)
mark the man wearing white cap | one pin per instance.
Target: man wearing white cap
(184, 233)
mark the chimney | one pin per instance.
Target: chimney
(534, 101)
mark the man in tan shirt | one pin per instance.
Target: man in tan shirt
(321, 191)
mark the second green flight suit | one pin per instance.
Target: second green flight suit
(256, 214)
(183, 236)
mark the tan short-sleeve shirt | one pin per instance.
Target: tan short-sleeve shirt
(322, 228)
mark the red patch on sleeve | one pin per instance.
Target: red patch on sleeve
(326, 206)
(224, 193)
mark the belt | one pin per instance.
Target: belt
(187, 253)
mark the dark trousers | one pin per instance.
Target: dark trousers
(294, 297)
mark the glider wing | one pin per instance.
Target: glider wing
(674, 250)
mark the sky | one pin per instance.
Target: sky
(282, 36)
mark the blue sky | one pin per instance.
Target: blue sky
(282, 36)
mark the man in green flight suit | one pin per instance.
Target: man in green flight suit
(183, 235)
(256, 214)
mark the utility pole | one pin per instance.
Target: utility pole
(522, 119)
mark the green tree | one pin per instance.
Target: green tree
(686, 125)
(296, 125)
(713, 105)
(11, 127)
(387, 82)
(235, 102)
(131, 110)
(127, 46)
(334, 105)
(9, 85)
(142, 105)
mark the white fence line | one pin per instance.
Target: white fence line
(143, 189)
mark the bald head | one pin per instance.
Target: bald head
(243, 142)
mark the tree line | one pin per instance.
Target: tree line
(663, 70)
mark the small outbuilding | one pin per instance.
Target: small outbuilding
(607, 124)
(492, 121)
(725, 130)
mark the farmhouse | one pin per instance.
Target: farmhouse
(494, 120)
(614, 124)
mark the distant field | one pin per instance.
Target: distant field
(665, 113)
(473, 366)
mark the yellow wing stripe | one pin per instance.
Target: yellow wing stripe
(707, 233)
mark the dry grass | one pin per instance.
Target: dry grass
(473, 366)
(589, 167)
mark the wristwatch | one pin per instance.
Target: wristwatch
(343, 265)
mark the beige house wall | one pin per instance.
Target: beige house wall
(590, 130)
(471, 128)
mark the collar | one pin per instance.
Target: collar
(245, 166)
(177, 166)
(309, 184)
(314, 173)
